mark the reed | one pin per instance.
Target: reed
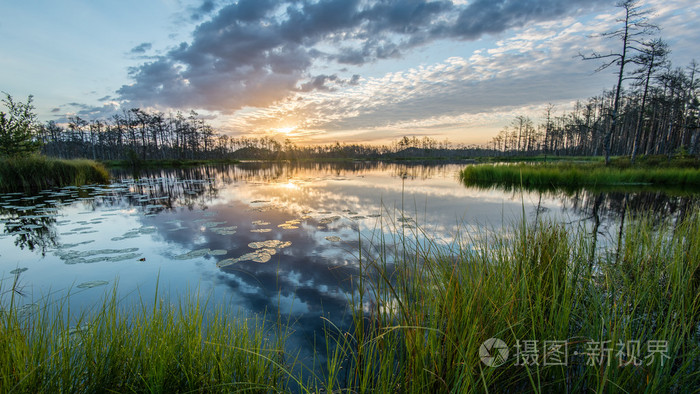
(576, 315)
(577, 175)
(36, 172)
(167, 347)
(627, 323)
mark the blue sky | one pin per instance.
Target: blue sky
(321, 70)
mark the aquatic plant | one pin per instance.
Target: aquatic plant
(570, 314)
(167, 347)
(627, 319)
(569, 175)
(35, 172)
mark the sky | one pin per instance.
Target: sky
(320, 71)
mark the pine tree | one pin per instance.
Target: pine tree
(17, 128)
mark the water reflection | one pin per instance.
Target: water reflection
(268, 237)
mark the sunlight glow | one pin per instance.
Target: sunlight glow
(285, 130)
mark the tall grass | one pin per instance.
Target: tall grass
(36, 172)
(420, 320)
(421, 312)
(169, 347)
(571, 175)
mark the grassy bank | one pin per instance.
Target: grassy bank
(575, 318)
(576, 175)
(36, 172)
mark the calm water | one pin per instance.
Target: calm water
(261, 237)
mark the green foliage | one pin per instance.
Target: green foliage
(17, 128)
(35, 172)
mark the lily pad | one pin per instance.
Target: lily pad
(329, 220)
(18, 270)
(91, 284)
(272, 243)
(193, 254)
(333, 238)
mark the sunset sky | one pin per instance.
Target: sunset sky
(321, 70)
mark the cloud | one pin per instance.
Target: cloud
(200, 12)
(518, 76)
(255, 53)
(85, 111)
(141, 48)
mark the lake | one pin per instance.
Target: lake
(265, 237)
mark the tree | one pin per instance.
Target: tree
(653, 55)
(17, 127)
(635, 26)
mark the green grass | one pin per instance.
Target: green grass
(33, 173)
(569, 175)
(169, 347)
(430, 313)
(421, 311)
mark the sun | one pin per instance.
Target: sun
(285, 130)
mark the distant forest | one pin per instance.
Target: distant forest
(653, 109)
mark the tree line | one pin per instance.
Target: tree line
(653, 109)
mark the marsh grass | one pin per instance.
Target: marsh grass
(421, 311)
(167, 347)
(570, 175)
(421, 318)
(36, 172)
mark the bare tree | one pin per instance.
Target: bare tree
(635, 26)
(652, 56)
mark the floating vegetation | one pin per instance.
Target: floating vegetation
(18, 270)
(263, 253)
(349, 212)
(135, 233)
(212, 224)
(86, 257)
(329, 220)
(272, 243)
(259, 201)
(91, 284)
(69, 246)
(260, 223)
(193, 254)
(218, 252)
(374, 215)
(147, 230)
(260, 230)
(290, 224)
(357, 217)
(224, 230)
(333, 238)
(127, 235)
